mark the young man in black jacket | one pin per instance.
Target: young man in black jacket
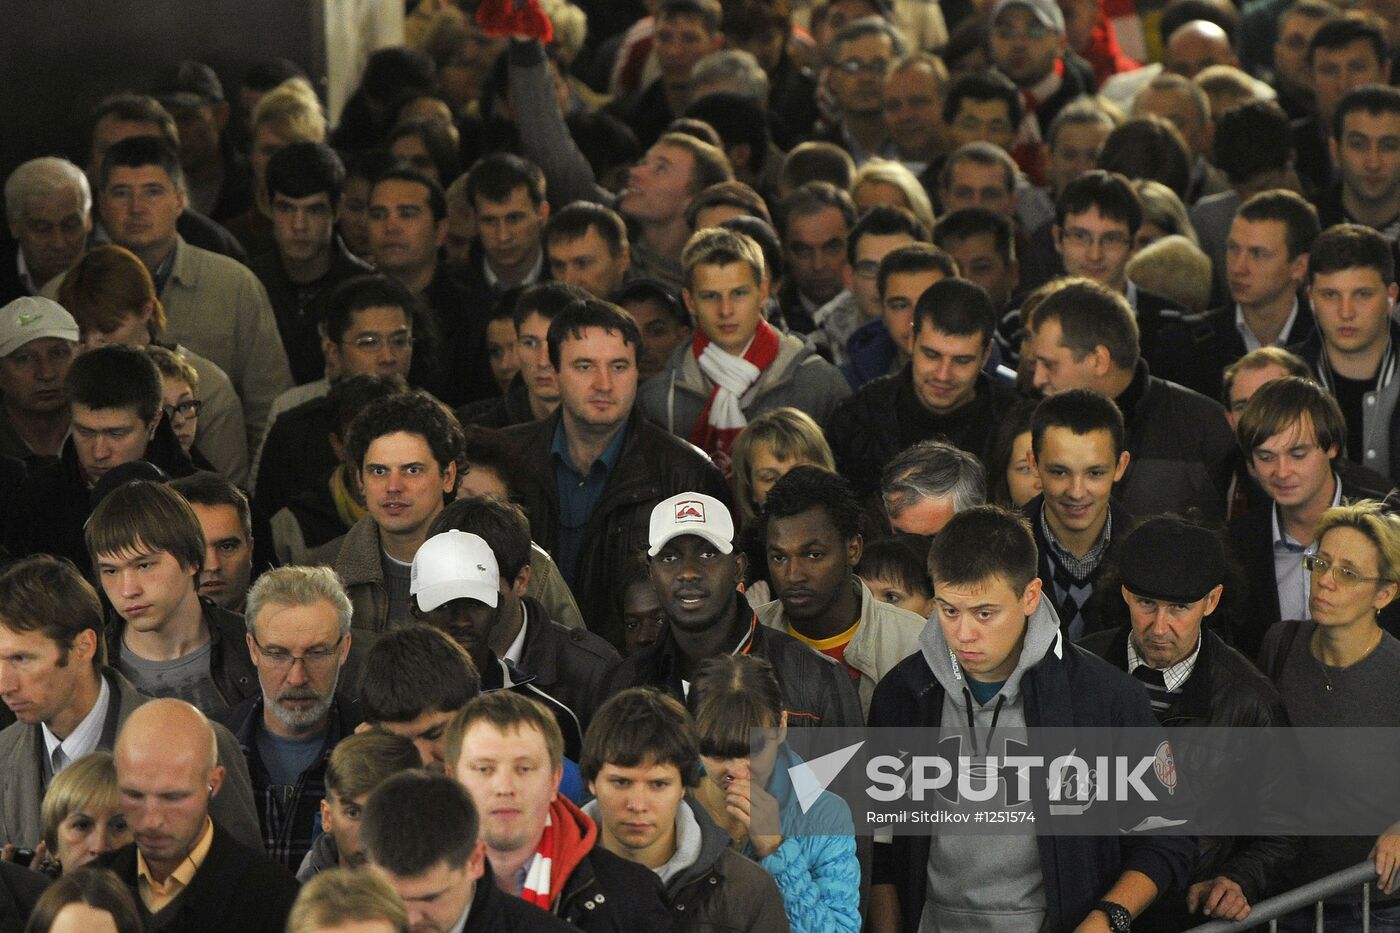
(994, 657)
(641, 760)
(420, 832)
(696, 571)
(1173, 574)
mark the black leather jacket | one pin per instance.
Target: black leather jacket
(653, 466)
(1224, 690)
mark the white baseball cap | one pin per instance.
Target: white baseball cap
(454, 565)
(691, 513)
(33, 318)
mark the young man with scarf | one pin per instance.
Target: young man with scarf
(737, 366)
(598, 466)
(507, 751)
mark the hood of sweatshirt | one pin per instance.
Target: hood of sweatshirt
(1042, 637)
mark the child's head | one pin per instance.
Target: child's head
(896, 571)
(358, 765)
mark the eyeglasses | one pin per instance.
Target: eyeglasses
(1114, 239)
(1034, 32)
(373, 342)
(316, 659)
(1317, 566)
(854, 66)
(190, 408)
(867, 268)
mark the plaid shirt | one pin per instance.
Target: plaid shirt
(290, 816)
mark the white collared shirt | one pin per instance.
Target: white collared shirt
(83, 739)
(517, 648)
(1173, 676)
(1251, 342)
(531, 277)
(1289, 577)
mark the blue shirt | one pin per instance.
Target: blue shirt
(578, 496)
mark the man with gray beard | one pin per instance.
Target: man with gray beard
(298, 624)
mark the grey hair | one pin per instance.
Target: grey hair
(736, 69)
(43, 176)
(869, 26)
(933, 470)
(298, 586)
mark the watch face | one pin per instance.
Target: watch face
(1120, 920)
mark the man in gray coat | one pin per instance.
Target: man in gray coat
(68, 703)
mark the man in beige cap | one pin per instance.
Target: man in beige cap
(38, 339)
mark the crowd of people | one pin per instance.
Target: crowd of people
(432, 512)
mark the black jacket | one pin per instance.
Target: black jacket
(54, 501)
(654, 465)
(1194, 350)
(1251, 540)
(300, 308)
(501, 412)
(1183, 451)
(1310, 155)
(10, 285)
(606, 893)
(570, 664)
(1067, 688)
(20, 889)
(866, 430)
(495, 911)
(236, 890)
(461, 308)
(296, 455)
(816, 690)
(231, 669)
(1224, 690)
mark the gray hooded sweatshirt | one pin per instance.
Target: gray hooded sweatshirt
(979, 882)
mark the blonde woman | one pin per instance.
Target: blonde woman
(889, 183)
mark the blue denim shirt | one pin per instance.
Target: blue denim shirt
(578, 496)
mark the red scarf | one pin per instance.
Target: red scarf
(715, 435)
(569, 834)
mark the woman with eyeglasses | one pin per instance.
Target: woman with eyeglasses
(810, 853)
(111, 295)
(179, 383)
(1340, 669)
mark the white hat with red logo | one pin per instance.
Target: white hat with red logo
(691, 513)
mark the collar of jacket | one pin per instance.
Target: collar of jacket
(663, 658)
(864, 648)
(537, 633)
(358, 561)
(1129, 399)
(1389, 361)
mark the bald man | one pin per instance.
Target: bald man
(1194, 46)
(186, 871)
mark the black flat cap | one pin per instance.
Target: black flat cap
(1172, 560)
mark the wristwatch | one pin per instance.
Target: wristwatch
(1119, 918)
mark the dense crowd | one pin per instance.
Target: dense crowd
(431, 507)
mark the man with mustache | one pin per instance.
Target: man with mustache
(696, 571)
(299, 640)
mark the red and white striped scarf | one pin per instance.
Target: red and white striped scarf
(722, 418)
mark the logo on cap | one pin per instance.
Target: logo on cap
(689, 510)
(24, 320)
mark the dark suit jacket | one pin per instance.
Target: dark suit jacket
(1195, 350)
(1251, 539)
(236, 890)
(19, 892)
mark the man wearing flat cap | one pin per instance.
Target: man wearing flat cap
(1173, 576)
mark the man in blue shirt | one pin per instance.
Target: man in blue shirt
(598, 467)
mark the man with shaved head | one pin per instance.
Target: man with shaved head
(186, 872)
(56, 681)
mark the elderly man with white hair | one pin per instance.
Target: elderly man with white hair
(48, 205)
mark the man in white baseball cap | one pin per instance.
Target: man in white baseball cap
(38, 340)
(455, 586)
(697, 574)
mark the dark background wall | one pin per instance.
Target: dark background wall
(59, 57)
